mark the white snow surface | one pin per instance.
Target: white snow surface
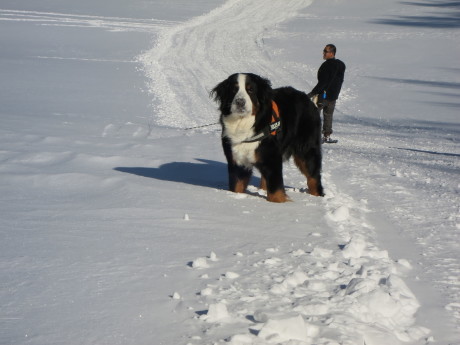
(116, 223)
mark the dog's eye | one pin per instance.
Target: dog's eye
(249, 89)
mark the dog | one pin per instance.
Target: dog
(262, 127)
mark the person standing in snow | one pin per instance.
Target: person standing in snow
(330, 79)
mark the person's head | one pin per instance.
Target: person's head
(329, 52)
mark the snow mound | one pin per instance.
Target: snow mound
(318, 298)
(217, 312)
(340, 214)
(294, 328)
(354, 248)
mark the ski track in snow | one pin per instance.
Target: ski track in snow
(197, 54)
(350, 292)
(74, 20)
(436, 236)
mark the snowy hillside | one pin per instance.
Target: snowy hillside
(116, 225)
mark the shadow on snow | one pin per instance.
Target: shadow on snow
(206, 173)
(453, 88)
(428, 151)
(449, 18)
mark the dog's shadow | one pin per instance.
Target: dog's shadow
(206, 173)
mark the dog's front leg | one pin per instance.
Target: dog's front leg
(271, 169)
(238, 177)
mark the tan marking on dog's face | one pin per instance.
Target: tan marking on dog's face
(255, 107)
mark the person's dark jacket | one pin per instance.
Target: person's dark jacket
(330, 79)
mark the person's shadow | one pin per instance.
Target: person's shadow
(206, 173)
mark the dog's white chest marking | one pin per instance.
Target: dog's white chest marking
(238, 129)
(244, 154)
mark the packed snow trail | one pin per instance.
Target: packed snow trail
(321, 291)
(190, 59)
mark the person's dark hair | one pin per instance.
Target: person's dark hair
(332, 48)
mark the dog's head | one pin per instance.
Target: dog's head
(243, 94)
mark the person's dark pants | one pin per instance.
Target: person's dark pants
(328, 111)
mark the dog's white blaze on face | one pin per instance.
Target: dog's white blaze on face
(241, 103)
(239, 124)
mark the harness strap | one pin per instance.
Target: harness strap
(275, 124)
(272, 129)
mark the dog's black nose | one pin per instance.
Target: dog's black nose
(240, 102)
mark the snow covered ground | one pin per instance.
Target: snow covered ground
(116, 226)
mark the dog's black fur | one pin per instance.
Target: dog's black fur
(300, 135)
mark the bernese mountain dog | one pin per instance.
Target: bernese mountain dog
(261, 127)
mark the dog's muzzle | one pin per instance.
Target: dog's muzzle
(239, 105)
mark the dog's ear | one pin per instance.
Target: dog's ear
(264, 94)
(264, 91)
(222, 94)
(220, 91)
(215, 93)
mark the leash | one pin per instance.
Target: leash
(272, 129)
(210, 124)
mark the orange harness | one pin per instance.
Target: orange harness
(275, 124)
